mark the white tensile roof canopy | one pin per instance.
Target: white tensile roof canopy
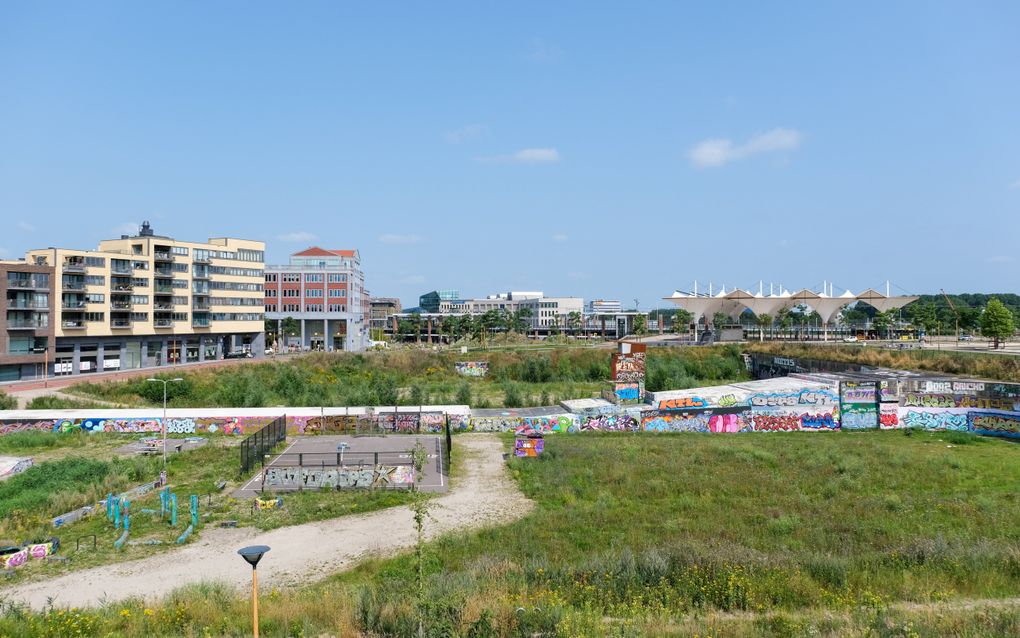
(734, 303)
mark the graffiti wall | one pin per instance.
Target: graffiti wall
(9, 466)
(291, 478)
(811, 409)
(528, 447)
(858, 404)
(629, 367)
(472, 368)
(729, 419)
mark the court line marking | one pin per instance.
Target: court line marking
(259, 474)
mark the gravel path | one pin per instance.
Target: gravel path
(483, 496)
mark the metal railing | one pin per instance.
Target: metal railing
(161, 256)
(26, 283)
(164, 323)
(255, 446)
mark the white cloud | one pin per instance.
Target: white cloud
(541, 51)
(299, 236)
(526, 156)
(413, 279)
(127, 228)
(1000, 259)
(1015, 184)
(25, 226)
(464, 134)
(716, 152)
(401, 239)
(560, 237)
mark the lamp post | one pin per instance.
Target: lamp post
(253, 554)
(164, 382)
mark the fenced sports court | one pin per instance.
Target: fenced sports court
(342, 462)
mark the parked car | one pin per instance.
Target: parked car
(966, 337)
(850, 339)
(239, 354)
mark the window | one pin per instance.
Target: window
(270, 307)
(270, 277)
(180, 267)
(311, 307)
(139, 282)
(140, 299)
(249, 255)
(95, 298)
(337, 278)
(180, 301)
(141, 265)
(291, 278)
(139, 316)
(292, 293)
(200, 255)
(95, 280)
(270, 292)
(337, 292)
(314, 292)
(95, 262)
(235, 301)
(230, 285)
(313, 278)
(181, 283)
(179, 250)
(95, 316)
(236, 272)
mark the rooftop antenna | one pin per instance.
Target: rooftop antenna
(886, 287)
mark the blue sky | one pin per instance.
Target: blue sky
(600, 150)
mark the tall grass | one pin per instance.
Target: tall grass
(1001, 367)
(516, 379)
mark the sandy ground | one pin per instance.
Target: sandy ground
(483, 496)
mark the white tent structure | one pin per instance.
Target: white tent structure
(737, 301)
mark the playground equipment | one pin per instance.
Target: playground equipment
(118, 511)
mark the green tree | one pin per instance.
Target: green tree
(924, 316)
(574, 321)
(291, 326)
(883, 321)
(682, 321)
(464, 394)
(640, 324)
(997, 322)
(764, 321)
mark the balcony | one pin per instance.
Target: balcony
(121, 305)
(199, 323)
(121, 270)
(164, 323)
(200, 260)
(163, 290)
(74, 266)
(73, 285)
(26, 324)
(163, 306)
(160, 255)
(27, 283)
(21, 304)
(165, 273)
(122, 287)
(200, 274)
(120, 323)
(73, 306)
(71, 324)
(200, 307)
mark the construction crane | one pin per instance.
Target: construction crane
(955, 313)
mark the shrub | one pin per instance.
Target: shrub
(7, 402)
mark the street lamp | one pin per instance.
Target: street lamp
(164, 382)
(253, 554)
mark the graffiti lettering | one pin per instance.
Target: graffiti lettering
(727, 401)
(472, 368)
(776, 423)
(683, 404)
(818, 422)
(994, 423)
(935, 420)
(311, 478)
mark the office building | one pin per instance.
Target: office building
(324, 291)
(148, 300)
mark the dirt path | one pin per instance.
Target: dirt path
(483, 496)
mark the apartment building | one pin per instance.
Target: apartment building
(26, 320)
(148, 300)
(381, 309)
(324, 290)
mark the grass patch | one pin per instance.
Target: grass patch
(676, 535)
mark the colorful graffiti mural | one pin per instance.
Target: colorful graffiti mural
(926, 400)
(994, 423)
(528, 446)
(609, 423)
(712, 420)
(929, 419)
(339, 478)
(627, 391)
(37, 551)
(472, 368)
(629, 368)
(684, 403)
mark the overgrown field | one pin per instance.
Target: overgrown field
(999, 367)
(801, 534)
(516, 379)
(84, 468)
